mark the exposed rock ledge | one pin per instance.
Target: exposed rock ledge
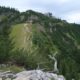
(30, 75)
(38, 75)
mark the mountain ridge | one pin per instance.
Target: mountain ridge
(29, 37)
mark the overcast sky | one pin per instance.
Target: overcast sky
(65, 9)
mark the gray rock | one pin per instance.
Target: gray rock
(38, 75)
(31, 75)
(7, 74)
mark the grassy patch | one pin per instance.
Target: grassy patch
(21, 35)
(12, 68)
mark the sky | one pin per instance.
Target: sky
(64, 9)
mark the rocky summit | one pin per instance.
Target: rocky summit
(38, 75)
(30, 75)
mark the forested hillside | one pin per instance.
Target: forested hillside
(28, 38)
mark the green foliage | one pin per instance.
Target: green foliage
(12, 68)
(44, 36)
(18, 57)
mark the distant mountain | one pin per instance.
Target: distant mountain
(29, 37)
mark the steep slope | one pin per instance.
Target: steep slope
(22, 34)
(38, 40)
(32, 36)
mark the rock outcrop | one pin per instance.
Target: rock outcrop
(38, 75)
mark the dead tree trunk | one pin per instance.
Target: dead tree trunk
(55, 64)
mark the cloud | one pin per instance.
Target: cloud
(72, 17)
(47, 2)
(61, 1)
(31, 2)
